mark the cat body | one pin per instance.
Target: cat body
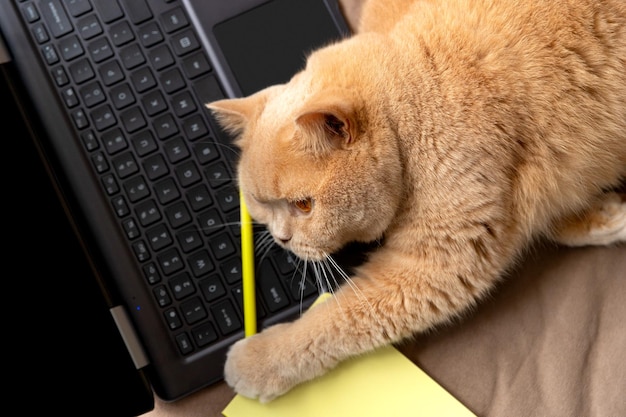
(454, 132)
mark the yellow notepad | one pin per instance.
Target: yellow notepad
(383, 383)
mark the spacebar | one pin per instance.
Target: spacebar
(208, 89)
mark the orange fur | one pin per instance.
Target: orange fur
(458, 131)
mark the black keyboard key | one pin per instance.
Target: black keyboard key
(30, 13)
(143, 79)
(131, 228)
(100, 50)
(228, 199)
(121, 33)
(201, 263)
(111, 72)
(183, 104)
(141, 251)
(154, 103)
(69, 97)
(217, 174)
(172, 318)
(181, 286)
(103, 117)
(170, 261)
(132, 56)
(156, 167)
(301, 288)
(89, 27)
(40, 33)
(144, 143)
(231, 269)
(210, 221)
(193, 310)
(125, 165)
(80, 119)
(184, 42)
(60, 76)
(133, 119)
(110, 184)
(81, 71)
(208, 89)
(57, 20)
(120, 206)
(77, 7)
(162, 296)
(165, 126)
(188, 174)
(189, 239)
(199, 197)
(122, 96)
(92, 94)
(206, 151)
(184, 344)
(89, 140)
(108, 10)
(138, 10)
(222, 246)
(166, 191)
(151, 273)
(160, 57)
(114, 141)
(212, 288)
(150, 34)
(70, 48)
(136, 188)
(270, 288)
(195, 127)
(226, 317)
(196, 65)
(148, 212)
(174, 19)
(159, 237)
(50, 54)
(176, 150)
(204, 334)
(172, 80)
(177, 215)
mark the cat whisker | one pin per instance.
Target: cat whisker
(266, 243)
(219, 225)
(355, 288)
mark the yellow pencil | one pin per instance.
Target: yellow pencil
(247, 269)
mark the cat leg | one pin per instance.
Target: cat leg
(391, 298)
(603, 224)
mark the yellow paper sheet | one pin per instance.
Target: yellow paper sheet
(383, 383)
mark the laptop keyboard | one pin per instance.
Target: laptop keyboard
(134, 79)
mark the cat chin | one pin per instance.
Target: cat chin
(309, 253)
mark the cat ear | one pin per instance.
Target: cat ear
(327, 127)
(233, 115)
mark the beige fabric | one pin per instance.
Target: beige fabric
(549, 341)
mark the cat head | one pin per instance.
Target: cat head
(318, 166)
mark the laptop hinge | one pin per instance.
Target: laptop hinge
(130, 337)
(4, 52)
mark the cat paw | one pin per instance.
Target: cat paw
(604, 224)
(261, 366)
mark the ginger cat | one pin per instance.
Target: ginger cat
(456, 132)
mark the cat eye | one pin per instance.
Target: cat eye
(305, 205)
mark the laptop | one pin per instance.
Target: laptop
(113, 93)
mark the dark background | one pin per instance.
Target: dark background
(64, 352)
